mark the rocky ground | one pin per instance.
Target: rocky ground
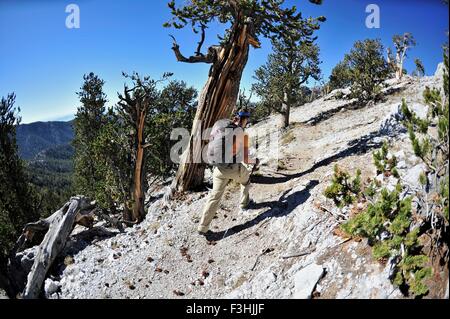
(285, 247)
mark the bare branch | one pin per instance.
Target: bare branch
(209, 58)
(202, 40)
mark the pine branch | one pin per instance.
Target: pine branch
(209, 58)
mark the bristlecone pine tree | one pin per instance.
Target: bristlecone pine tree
(294, 61)
(16, 197)
(89, 120)
(340, 77)
(420, 69)
(247, 20)
(402, 44)
(113, 162)
(135, 107)
(367, 68)
(388, 222)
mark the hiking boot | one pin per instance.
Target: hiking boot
(210, 236)
(249, 209)
(249, 206)
(204, 234)
(202, 230)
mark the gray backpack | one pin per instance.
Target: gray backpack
(220, 147)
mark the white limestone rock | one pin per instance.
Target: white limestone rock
(306, 280)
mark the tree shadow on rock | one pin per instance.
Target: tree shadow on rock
(355, 147)
(280, 208)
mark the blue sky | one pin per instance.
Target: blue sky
(43, 62)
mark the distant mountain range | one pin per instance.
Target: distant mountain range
(37, 137)
(48, 153)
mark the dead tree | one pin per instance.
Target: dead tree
(58, 228)
(134, 107)
(248, 20)
(402, 44)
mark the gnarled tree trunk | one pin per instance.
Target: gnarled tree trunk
(217, 100)
(138, 185)
(285, 111)
(399, 66)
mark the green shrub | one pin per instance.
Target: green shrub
(344, 189)
(383, 163)
(387, 222)
(412, 272)
(368, 69)
(393, 216)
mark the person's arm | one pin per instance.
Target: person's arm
(247, 159)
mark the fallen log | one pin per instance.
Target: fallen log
(58, 227)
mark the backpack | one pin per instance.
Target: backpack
(220, 147)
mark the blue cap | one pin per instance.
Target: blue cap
(244, 114)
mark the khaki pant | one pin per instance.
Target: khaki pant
(221, 176)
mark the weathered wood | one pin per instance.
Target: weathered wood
(210, 57)
(18, 270)
(60, 225)
(217, 100)
(30, 230)
(285, 111)
(138, 185)
(83, 218)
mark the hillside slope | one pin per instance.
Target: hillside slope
(285, 247)
(37, 137)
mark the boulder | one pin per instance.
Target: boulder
(51, 287)
(237, 280)
(306, 280)
(401, 165)
(421, 110)
(440, 70)
(391, 183)
(412, 175)
(3, 294)
(400, 155)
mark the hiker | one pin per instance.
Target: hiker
(228, 151)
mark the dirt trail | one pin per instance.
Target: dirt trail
(268, 252)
